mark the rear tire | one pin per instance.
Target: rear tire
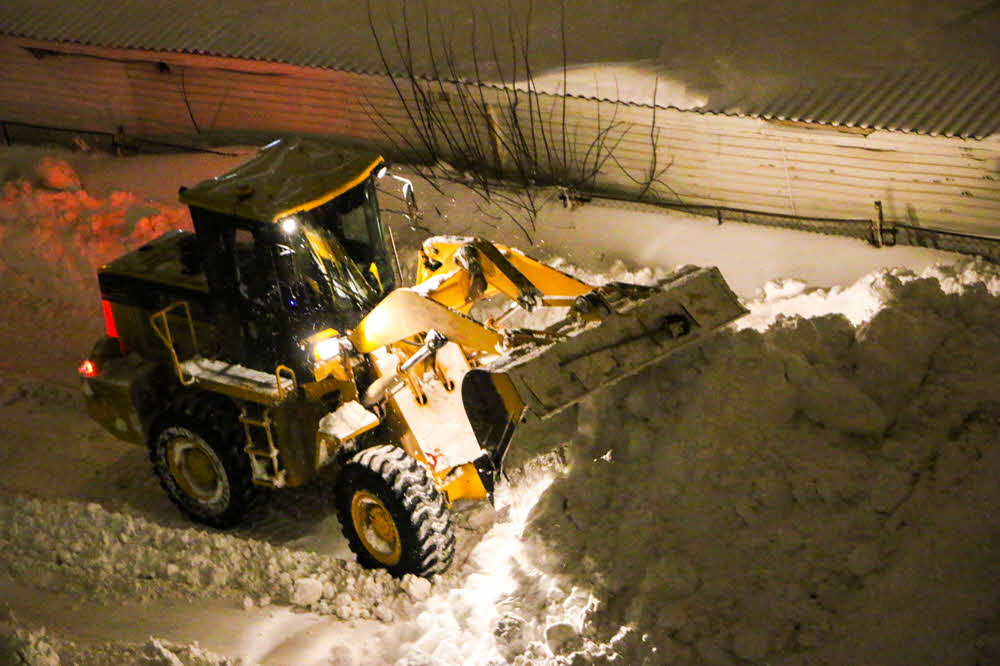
(196, 450)
(392, 513)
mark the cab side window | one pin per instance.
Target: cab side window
(257, 297)
(255, 274)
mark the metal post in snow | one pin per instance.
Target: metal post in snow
(877, 224)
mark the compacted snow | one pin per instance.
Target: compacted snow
(817, 484)
(117, 555)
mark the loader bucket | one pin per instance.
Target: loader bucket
(637, 326)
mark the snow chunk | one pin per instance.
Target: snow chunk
(829, 399)
(343, 605)
(883, 372)
(418, 588)
(562, 638)
(889, 490)
(427, 287)
(863, 560)
(32, 648)
(511, 634)
(307, 591)
(384, 612)
(347, 421)
(781, 289)
(157, 654)
(57, 174)
(444, 239)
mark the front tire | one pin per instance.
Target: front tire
(392, 513)
(197, 454)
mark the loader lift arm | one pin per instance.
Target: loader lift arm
(472, 268)
(415, 323)
(452, 275)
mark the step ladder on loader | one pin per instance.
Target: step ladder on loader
(257, 392)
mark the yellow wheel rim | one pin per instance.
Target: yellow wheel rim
(375, 526)
(196, 469)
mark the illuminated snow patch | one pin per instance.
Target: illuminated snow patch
(859, 302)
(458, 626)
(785, 298)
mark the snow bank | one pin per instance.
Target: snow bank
(54, 235)
(83, 548)
(34, 647)
(818, 492)
(68, 224)
(859, 301)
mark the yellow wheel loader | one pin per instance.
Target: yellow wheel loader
(272, 345)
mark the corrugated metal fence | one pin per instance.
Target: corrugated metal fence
(787, 168)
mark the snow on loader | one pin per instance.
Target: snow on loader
(271, 346)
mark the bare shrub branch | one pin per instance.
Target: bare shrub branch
(502, 142)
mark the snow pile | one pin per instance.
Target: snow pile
(616, 272)
(82, 548)
(544, 317)
(54, 235)
(57, 174)
(68, 225)
(30, 648)
(23, 646)
(816, 493)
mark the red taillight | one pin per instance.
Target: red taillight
(109, 319)
(109, 324)
(88, 369)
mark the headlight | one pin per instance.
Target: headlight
(324, 350)
(331, 354)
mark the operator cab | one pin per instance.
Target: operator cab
(292, 244)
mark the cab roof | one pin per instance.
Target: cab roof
(287, 176)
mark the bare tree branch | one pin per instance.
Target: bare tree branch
(500, 129)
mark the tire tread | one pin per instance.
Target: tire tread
(425, 520)
(214, 418)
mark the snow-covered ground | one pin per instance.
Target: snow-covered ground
(818, 484)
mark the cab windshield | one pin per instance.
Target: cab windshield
(353, 220)
(334, 258)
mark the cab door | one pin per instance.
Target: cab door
(247, 308)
